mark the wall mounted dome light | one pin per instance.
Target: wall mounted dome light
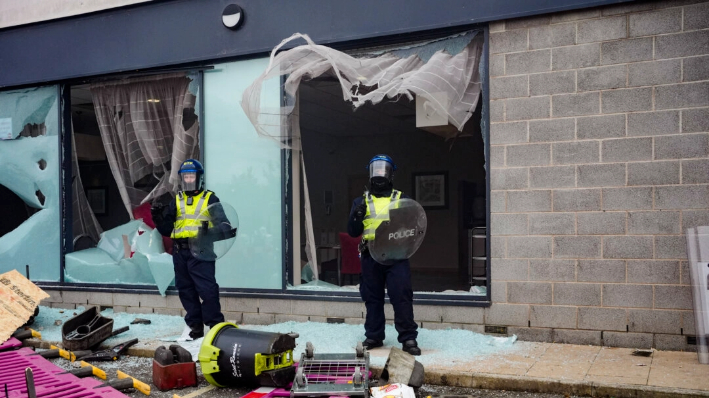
(233, 16)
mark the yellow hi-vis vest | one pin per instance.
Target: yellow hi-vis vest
(376, 212)
(189, 217)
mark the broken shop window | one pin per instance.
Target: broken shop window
(129, 138)
(419, 102)
(30, 182)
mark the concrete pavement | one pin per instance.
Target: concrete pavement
(558, 368)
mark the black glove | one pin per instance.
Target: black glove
(360, 211)
(217, 234)
(156, 212)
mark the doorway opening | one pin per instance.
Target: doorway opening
(420, 103)
(446, 175)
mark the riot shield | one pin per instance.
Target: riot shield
(216, 234)
(401, 232)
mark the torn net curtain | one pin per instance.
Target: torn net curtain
(141, 125)
(85, 222)
(444, 72)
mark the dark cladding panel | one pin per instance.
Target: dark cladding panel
(164, 33)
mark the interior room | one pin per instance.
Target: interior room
(445, 165)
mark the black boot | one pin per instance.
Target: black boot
(371, 343)
(196, 332)
(412, 347)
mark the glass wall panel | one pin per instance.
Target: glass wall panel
(30, 233)
(244, 170)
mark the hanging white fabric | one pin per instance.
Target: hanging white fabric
(450, 82)
(310, 248)
(85, 222)
(141, 125)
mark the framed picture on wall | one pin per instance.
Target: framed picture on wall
(430, 189)
(97, 200)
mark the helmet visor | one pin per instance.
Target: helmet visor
(188, 181)
(380, 168)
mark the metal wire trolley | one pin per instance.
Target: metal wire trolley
(332, 374)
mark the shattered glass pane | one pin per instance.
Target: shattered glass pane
(131, 253)
(27, 111)
(244, 170)
(29, 155)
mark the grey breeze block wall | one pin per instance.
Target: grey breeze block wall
(599, 162)
(599, 151)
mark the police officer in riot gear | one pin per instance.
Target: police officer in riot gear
(194, 277)
(396, 278)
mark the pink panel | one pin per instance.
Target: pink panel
(11, 343)
(49, 382)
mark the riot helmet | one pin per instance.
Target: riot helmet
(381, 173)
(191, 175)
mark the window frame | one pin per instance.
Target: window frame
(287, 204)
(419, 298)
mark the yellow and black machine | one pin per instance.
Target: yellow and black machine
(230, 356)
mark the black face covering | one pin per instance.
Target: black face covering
(380, 186)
